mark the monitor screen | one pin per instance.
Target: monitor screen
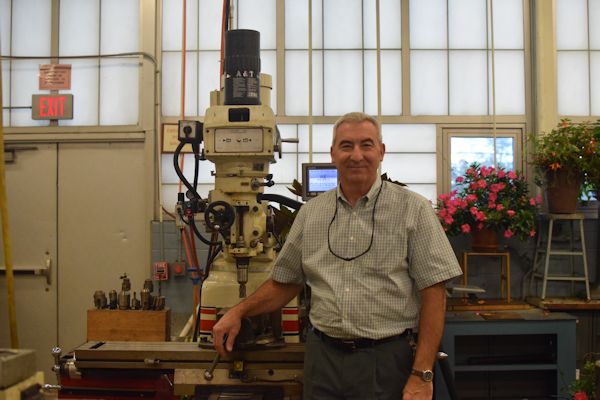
(317, 178)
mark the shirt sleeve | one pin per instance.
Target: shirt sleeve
(288, 265)
(431, 257)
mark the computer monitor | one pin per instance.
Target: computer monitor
(317, 178)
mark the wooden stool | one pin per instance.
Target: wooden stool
(504, 268)
(548, 252)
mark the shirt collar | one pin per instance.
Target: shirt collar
(371, 194)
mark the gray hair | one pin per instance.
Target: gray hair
(356, 118)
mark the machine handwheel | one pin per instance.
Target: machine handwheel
(219, 215)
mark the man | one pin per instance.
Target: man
(376, 259)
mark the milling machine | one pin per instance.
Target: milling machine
(241, 139)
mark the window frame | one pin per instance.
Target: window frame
(448, 131)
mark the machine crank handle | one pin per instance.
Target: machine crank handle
(208, 374)
(255, 184)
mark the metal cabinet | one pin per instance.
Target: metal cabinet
(518, 354)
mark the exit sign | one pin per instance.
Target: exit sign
(52, 106)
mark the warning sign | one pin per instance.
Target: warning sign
(55, 76)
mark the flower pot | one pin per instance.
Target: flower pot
(484, 240)
(562, 191)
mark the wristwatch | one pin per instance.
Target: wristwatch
(426, 375)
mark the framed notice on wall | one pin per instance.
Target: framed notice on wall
(170, 139)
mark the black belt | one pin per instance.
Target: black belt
(351, 345)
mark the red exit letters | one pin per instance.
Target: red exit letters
(52, 106)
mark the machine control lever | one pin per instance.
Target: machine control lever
(56, 353)
(208, 374)
(255, 184)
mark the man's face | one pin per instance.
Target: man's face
(357, 153)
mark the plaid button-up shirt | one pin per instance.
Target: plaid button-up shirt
(377, 294)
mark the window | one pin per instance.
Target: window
(105, 89)
(481, 145)
(461, 52)
(578, 57)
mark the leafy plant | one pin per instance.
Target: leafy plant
(489, 198)
(571, 147)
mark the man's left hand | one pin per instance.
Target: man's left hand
(417, 389)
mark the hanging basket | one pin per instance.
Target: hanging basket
(562, 191)
(484, 240)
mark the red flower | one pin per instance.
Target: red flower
(488, 197)
(471, 197)
(580, 396)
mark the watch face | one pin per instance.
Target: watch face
(427, 376)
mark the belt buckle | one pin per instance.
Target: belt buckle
(350, 345)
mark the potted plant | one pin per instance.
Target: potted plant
(488, 201)
(567, 163)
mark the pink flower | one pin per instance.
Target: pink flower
(481, 184)
(465, 228)
(538, 199)
(448, 220)
(501, 174)
(480, 216)
(473, 210)
(485, 172)
(470, 171)
(512, 175)
(510, 213)
(532, 233)
(508, 233)
(471, 197)
(532, 201)
(460, 179)
(442, 212)
(499, 207)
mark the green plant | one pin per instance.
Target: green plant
(489, 198)
(571, 147)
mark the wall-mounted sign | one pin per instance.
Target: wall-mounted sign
(52, 106)
(55, 76)
(170, 139)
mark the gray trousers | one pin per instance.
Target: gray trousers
(373, 373)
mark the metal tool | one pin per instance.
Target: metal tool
(208, 374)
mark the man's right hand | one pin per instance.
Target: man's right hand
(225, 331)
